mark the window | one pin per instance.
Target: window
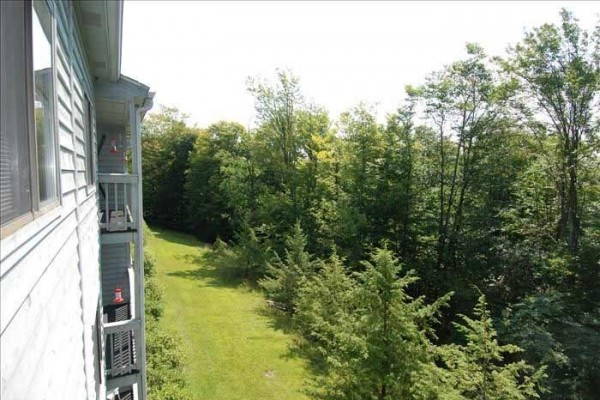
(43, 77)
(89, 141)
(15, 174)
(29, 173)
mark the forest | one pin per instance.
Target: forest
(449, 252)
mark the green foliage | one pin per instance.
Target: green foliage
(154, 299)
(480, 369)
(247, 258)
(164, 358)
(285, 277)
(487, 174)
(558, 70)
(153, 293)
(372, 335)
(209, 213)
(325, 303)
(149, 266)
(166, 145)
(395, 329)
(164, 361)
(170, 391)
(555, 331)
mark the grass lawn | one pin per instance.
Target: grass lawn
(234, 350)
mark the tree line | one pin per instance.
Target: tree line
(484, 184)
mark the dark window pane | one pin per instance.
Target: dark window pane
(89, 141)
(43, 101)
(15, 183)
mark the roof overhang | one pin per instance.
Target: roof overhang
(112, 99)
(101, 24)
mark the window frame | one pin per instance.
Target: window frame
(90, 147)
(38, 208)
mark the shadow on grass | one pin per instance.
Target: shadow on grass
(206, 271)
(300, 348)
(177, 237)
(278, 320)
(212, 273)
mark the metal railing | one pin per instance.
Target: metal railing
(119, 210)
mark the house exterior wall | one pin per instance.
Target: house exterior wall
(50, 270)
(116, 259)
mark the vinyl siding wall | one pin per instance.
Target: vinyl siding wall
(50, 271)
(116, 262)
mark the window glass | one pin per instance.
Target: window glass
(89, 139)
(43, 101)
(15, 173)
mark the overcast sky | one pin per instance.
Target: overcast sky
(197, 55)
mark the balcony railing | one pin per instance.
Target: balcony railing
(120, 341)
(119, 209)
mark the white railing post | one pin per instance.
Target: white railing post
(125, 203)
(140, 340)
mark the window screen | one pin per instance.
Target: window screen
(15, 173)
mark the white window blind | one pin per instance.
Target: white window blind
(28, 164)
(15, 173)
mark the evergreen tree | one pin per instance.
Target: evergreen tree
(251, 253)
(481, 369)
(374, 337)
(325, 303)
(395, 329)
(286, 276)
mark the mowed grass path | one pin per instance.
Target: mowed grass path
(233, 348)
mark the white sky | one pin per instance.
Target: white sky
(197, 55)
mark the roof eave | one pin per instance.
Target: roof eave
(116, 42)
(101, 25)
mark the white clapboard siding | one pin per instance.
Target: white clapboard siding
(50, 273)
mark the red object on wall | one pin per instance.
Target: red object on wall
(113, 146)
(118, 296)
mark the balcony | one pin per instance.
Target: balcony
(120, 107)
(118, 211)
(121, 347)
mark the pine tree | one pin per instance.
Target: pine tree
(373, 336)
(286, 276)
(479, 369)
(325, 304)
(396, 330)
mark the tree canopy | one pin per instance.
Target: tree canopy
(484, 184)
